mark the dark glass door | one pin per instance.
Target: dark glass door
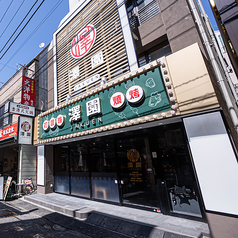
(61, 178)
(79, 170)
(178, 175)
(103, 170)
(137, 174)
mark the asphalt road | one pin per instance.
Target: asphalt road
(21, 219)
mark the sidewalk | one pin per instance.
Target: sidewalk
(126, 220)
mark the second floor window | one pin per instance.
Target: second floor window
(140, 11)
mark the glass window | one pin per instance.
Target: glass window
(154, 54)
(61, 179)
(104, 170)
(138, 178)
(177, 168)
(79, 175)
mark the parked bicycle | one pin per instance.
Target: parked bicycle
(28, 187)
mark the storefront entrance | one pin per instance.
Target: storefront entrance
(148, 168)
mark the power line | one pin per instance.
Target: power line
(22, 29)
(19, 26)
(6, 11)
(34, 31)
(52, 57)
(12, 18)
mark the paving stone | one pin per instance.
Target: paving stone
(151, 232)
(95, 219)
(128, 228)
(111, 223)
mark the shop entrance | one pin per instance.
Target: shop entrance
(138, 180)
(148, 168)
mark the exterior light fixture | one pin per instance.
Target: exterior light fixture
(173, 112)
(171, 99)
(170, 92)
(212, 2)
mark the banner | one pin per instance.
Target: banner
(28, 91)
(9, 131)
(25, 125)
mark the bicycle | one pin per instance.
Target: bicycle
(29, 187)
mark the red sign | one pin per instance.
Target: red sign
(60, 120)
(28, 91)
(9, 131)
(53, 123)
(134, 94)
(46, 125)
(117, 100)
(83, 41)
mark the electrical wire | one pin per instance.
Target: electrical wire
(52, 57)
(34, 31)
(22, 28)
(6, 11)
(19, 26)
(12, 18)
(38, 71)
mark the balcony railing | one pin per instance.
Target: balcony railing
(140, 16)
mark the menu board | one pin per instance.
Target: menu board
(7, 185)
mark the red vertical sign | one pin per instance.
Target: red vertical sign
(28, 91)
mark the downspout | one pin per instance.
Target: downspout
(210, 30)
(218, 74)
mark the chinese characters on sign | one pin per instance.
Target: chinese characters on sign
(59, 121)
(97, 59)
(75, 113)
(9, 131)
(74, 72)
(134, 94)
(28, 91)
(93, 107)
(21, 109)
(25, 130)
(83, 41)
(117, 100)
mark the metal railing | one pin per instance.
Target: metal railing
(144, 14)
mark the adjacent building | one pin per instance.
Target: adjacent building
(140, 113)
(22, 97)
(225, 12)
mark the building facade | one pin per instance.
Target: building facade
(22, 97)
(138, 116)
(225, 13)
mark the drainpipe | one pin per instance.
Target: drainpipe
(215, 65)
(210, 30)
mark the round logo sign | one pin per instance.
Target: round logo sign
(46, 125)
(83, 41)
(25, 126)
(117, 100)
(133, 155)
(60, 120)
(53, 123)
(134, 94)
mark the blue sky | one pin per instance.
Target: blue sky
(40, 29)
